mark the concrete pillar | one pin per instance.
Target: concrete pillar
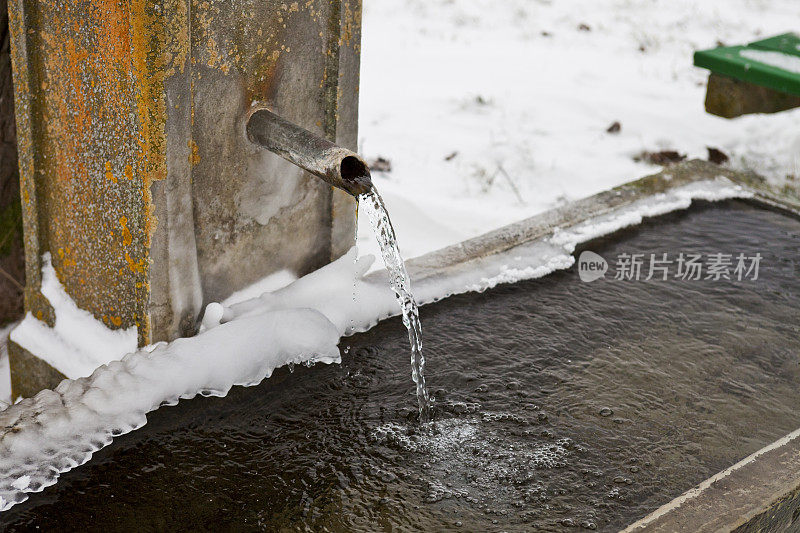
(135, 171)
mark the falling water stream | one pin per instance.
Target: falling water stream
(372, 203)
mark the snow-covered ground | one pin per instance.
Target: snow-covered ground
(491, 112)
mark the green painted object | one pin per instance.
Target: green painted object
(728, 61)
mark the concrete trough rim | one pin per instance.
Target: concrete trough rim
(542, 225)
(698, 508)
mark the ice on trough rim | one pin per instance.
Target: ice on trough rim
(244, 343)
(59, 429)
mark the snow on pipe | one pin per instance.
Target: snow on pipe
(338, 166)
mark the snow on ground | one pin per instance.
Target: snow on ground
(491, 112)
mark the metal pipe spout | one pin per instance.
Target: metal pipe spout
(338, 166)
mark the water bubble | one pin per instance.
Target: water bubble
(606, 411)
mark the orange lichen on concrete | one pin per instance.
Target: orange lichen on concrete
(194, 153)
(109, 173)
(351, 24)
(135, 266)
(66, 260)
(87, 167)
(127, 239)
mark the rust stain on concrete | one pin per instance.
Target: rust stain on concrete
(94, 142)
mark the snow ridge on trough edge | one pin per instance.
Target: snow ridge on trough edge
(57, 430)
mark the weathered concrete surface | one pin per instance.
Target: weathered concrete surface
(730, 98)
(29, 374)
(760, 493)
(301, 61)
(781, 516)
(135, 170)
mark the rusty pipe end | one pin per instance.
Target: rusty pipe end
(338, 166)
(349, 172)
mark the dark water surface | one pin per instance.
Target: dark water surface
(559, 405)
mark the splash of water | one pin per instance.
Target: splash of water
(372, 203)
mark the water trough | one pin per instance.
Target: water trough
(757, 493)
